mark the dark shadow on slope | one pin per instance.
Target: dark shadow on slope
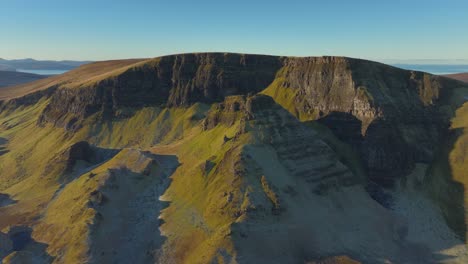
(126, 226)
(385, 155)
(381, 153)
(80, 158)
(345, 126)
(348, 142)
(388, 158)
(447, 193)
(3, 149)
(5, 200)
(88, 155)
(381, 138)
(24, 248)
(342, 132)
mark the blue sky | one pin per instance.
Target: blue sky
(104, 29)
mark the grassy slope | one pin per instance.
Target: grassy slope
(286, 97)
(195, 228)
(31, 175)
(458, 157)
(446, 176)
(69, 219)
(79, 76)
(459, 76)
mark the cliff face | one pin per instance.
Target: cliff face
(228, 150)
(402, 113)
(178, 80)
(296, 146)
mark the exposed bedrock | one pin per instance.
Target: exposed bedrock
(300, 150)
(392, 117)
(178, 80)
(402, 114)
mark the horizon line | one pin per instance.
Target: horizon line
(385, 60)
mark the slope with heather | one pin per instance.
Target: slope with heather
(459, 76)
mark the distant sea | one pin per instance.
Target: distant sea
(43, 72)
(435, 68)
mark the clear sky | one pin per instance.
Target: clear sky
(111, 29)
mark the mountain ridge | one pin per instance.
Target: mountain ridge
(32, 64)
(11, 78)
(318, 157)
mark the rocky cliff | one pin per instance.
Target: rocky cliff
(178, 80)
(194, 158)
(403, 114)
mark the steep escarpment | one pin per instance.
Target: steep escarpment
(261, 189)
(409, 109)
(178, 80)
(403, 114)
(194, 158)
(296, 145)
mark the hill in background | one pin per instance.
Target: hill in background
(31, 64)
(11, 78)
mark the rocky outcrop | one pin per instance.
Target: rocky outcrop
(28, 99)
(297, 146)
(262, 167)
(78, 158)
(178, 80)
(402, 114)
(114, 217)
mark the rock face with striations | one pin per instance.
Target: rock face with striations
(178, 80)
(194, 158)
(402, 114)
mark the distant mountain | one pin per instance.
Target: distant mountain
(6, 68)
(10, 78)
(31, 64)
(459, 76)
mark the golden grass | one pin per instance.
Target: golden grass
(84, 74)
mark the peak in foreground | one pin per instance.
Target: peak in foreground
(195, 158)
